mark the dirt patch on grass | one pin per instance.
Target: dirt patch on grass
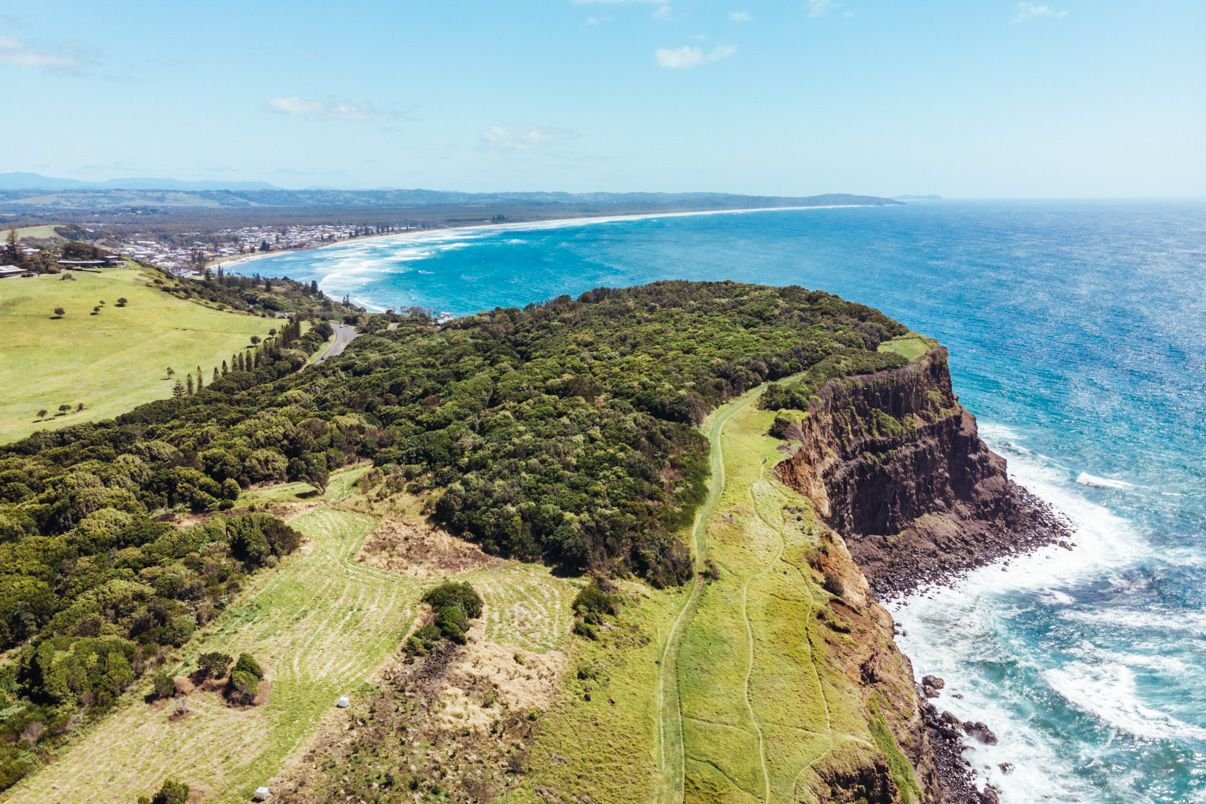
(454, 724)
(418, 550)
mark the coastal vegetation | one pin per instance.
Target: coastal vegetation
(567, 433)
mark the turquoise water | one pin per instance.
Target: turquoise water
(1077, 334)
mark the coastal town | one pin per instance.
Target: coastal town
(189, 253)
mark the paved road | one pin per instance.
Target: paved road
(343, 336)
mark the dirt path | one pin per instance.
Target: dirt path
(672, 758)
(749, 632)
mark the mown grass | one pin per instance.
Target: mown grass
(110, 362)
(320, 624)
(910, 346)
(525, 606)
(605, 747)
(754, 700)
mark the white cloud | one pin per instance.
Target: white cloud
(1026, 12)
(687, 56)
(819, 8)
(739, 16)
(322, 110)
(518, 139)
(663, 12)
(16, 53)
(601, 19)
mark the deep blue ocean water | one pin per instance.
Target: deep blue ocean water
(1077, 333)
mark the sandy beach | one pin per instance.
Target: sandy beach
(488, 228)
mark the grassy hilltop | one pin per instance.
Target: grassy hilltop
(109, 362)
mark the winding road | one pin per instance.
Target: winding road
(344, 335)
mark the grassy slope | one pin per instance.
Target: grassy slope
(760, 703)
(321, 624)
(112, 361)
(718, 691)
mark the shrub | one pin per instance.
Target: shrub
(248, 664)
(162, 686)
(213, 665)
(172, 792)
(781, 426)
(833, 585)
(454, 604)
(243, 687)
(592, 604)
(461, 595)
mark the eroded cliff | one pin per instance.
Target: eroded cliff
(894, 463)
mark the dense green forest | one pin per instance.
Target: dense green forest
(563, 432)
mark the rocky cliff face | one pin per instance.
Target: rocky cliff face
(894, 463)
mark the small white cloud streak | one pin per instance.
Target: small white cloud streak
(15, 53)
(688, 56)
(819, 8)
(739, 16)
(294, 106)
(1025, 12)
(517, 139)
(663, 12)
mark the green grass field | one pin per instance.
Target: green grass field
(110, 362)
(44, 232)
(320, 624)
(909, 346)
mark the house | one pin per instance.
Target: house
(9, 270)
(82, 263)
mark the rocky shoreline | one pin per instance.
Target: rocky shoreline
(942, 551)
(895, 464)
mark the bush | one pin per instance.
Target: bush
(461, 595)
(243, 687)
(162, 686)
(833, 585)
(781, 426)
(592, 604)
(172, 792)
(454, 604)
(248, 664)
(213, 665)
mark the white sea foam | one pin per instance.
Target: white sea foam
(1086, 479)
(947, 631)
(1108, 692)
(1145, 621)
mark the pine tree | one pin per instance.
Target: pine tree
(215, 379)
(225, 369)
(189, 386)
(177, 390)
(200, 379)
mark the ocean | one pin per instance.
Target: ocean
(1077, 333)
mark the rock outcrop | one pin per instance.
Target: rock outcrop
(894, 463)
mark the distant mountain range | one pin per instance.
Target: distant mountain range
(30, 191)
(35, 181)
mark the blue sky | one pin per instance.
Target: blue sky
(989, 98)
